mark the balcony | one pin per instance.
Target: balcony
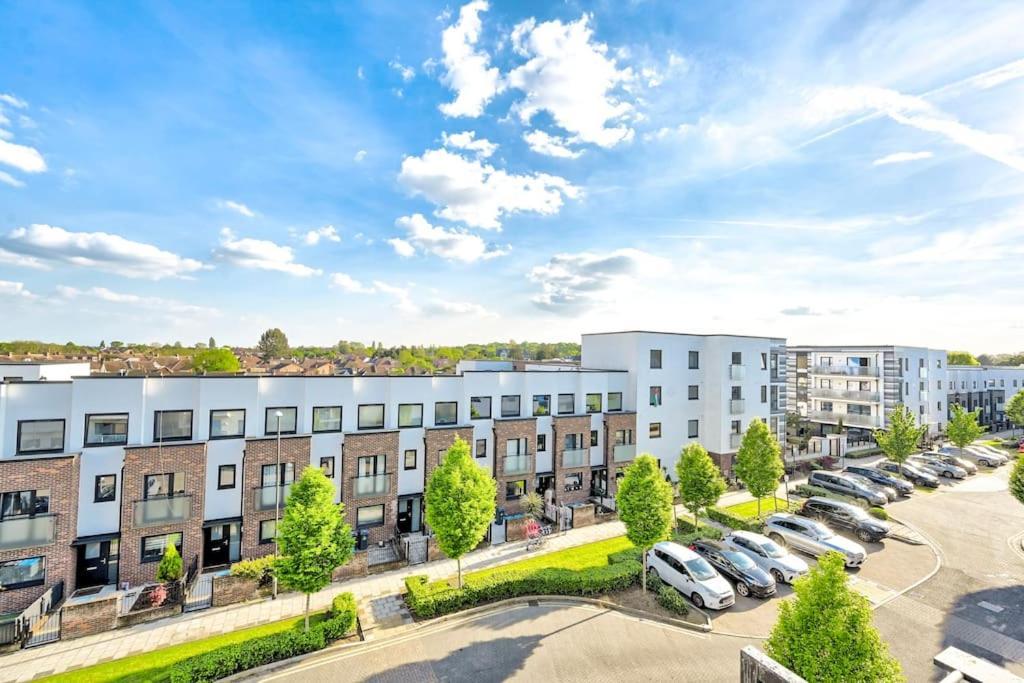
(624, 452)
(265, 497)
(162, 510)
(371, 486)
(846, 370)
(735, 440)
(848, 419)
(517, 464)
(737, 406)
(17, 533)
(575, 457)
(845, 394)
(736, 373)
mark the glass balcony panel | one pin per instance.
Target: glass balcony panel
(27, 532)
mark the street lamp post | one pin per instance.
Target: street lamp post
(277, 492)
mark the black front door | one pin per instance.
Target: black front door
(410, 515)
(97, 564)
(216, 545)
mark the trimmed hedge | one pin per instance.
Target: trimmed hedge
(260, 569)
(735, 521)
(878, 513)
(672, 600)
(685, 527)
(232, 659)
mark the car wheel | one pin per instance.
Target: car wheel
(864, 536)
(777, 575)
(698, 601)
(742, 588)
(984, 463)
(653, 574)
(778, 539)
(947, 474)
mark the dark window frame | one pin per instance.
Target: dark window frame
(691, 435)
(600, 403)
(534, 405)
(234, 476)
(383, 516)
(519, 405)
(490, 408)
(283, 432)
(512, 483)
(172, 479)
(542, 443)
(341, 420)
(96, 489)
(85, 435)
(259, 532)
(559, 406)
(191, 425)
(33, 503)
(651, 428)
(594, 438)
(656, 365)
(609, 408)
(25, 584)
(408, 426)
(142, 546)
(209, 433)
(324, 460)
(476, 448)
(446, 403)
(693, 360)
(63, 437)
(405, 458)
(692, 392)
(359, 416)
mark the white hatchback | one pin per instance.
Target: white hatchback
(690, 574)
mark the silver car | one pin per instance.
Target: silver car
(937, 467)
(986, 455)
(890, 492)
(962, 463)
(812, 538)
(784, 566)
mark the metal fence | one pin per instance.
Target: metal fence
(39, 623)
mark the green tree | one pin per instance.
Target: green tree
(212, 344)
(313, 538)
(963, 427)
(273, 343)
(460, 503)
(1015, 409)
(758, 463)
(903, 436)
(961, 358)
(826, 634)
(1017, 480)
(644, 502)
(170, 567)
(215, 360)
(700, 482)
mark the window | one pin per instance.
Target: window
(371, 465)
(737, 358)
(623, 437)
(694, 360)
(735, 427)
(654, 430)
(480, 408)
(327, 466)
(106, 430)
(370, 515)
(515, 447)
(372, 416)
(515, 489)
(410, 459)
(105, 488)
(30, 571)
(409, 415)
(566, 404)
(172, 425)
(25, 503)
(542, 404)
(655, 359)
(655, 396)
(593, 403)
(693, 392)
(40, 436)
(153, 546)
(327, 419)
(510, 406)
(268, 474)
(164, 485)
(614, 401)
(268, 530)
(764, 393)
(286, 421)
(737, 393)
(481, 448)
(692, 429)
(542, 442)
(574, 482)
(826, 406)
(764, 361)
(446, 413)
(225, 477)
(227, 424)
(593, 437)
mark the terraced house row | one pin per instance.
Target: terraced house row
(100, 473)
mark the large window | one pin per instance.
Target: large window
(285, 421)
(40, 436)
(30, 571)
(623, 437)
(105, 489)
(369, 515)
(106, 430)
(409, 415)
(172, 425)
(24, 503)
(655, 359)
(162, 485)
(153, 546)
(593, 403)
(542, 404)
(371, 465)
(226, 477)
(268, 474)
(566, 404)
(480, 407)
(446, 413)
(614, 401)
(515, 489)
(268, 530)
(227, 424)
(510, 406)
(327, 419)
(371, 416)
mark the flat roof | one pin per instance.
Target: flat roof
(685, 334)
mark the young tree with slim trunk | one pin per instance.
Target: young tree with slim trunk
(644, 503)
(313, 538)
(826, 634)
(758, 463)
(903, 436)
(460, 503)
(1015, 409)
(963, 427)
(700, 482)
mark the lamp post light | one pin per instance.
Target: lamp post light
(277, 492)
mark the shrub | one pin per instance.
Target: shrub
(261, 569)
(686, 527)
(633, 553)
(734, 521)
(878, 513)
(170, 567)
(231, 659)
(670, 599)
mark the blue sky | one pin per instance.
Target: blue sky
(430, 173)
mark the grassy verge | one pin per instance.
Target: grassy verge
(156, 665)
(748, 510)
(581, 557)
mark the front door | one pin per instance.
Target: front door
(97, 564)
(220, 545)
(410, 515)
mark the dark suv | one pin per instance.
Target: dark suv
(902, 486)
(837, 482)
(915, 475)
(748, 577)
(840, 515)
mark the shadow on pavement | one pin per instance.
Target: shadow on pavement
(988, 624)
(494, 660)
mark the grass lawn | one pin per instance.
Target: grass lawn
(748, 510)
(156, 665)
(580, 557)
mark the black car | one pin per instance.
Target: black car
(902, 486)
(838, 514)
(915, 475)
(748, 577)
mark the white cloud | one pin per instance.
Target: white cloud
(573, 79)
(467, 70)
(4, 133)
(550, 145)
(327, 232)
(997, 241)
(15, 102)
(147, 302)
(572, 283)
(406, 72)
(467, 140)
(458, 308)
(21, 157)
(237, 207)
(9, 258)
(15, 290)
(100, 250)
(360, 74)
(8, 179)
(476, 193)
(403, 299)
(449, 244)
(349, 284)
(900, 158)
(359, 156)
(261, 255)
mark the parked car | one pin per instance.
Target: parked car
(813, 538)
(890, 492)
(963, 463)
(690, 574)
(749, 578)
(914, 474)
(840, 515)
(840, 483)
(937, 467)
(985, 455)
(901, 486)
(784, 566)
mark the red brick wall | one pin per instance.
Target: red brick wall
(88, 618)
(613, 422)
(440, 439)
(561, 426)
(59, 474)
(139, 461)
(519, 428)
(371, 443)
(260, 452)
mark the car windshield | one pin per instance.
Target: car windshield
(772, 549)
(739, 559)
(700, 569)
(856, 512)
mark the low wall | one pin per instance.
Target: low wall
(357, 566)
(228, 590)
(88, 618)
(582, 516)
(757, 667)
(515, 529)
(146, 615)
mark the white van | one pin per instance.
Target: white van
(690, 574)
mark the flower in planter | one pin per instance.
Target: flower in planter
(158, 596)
